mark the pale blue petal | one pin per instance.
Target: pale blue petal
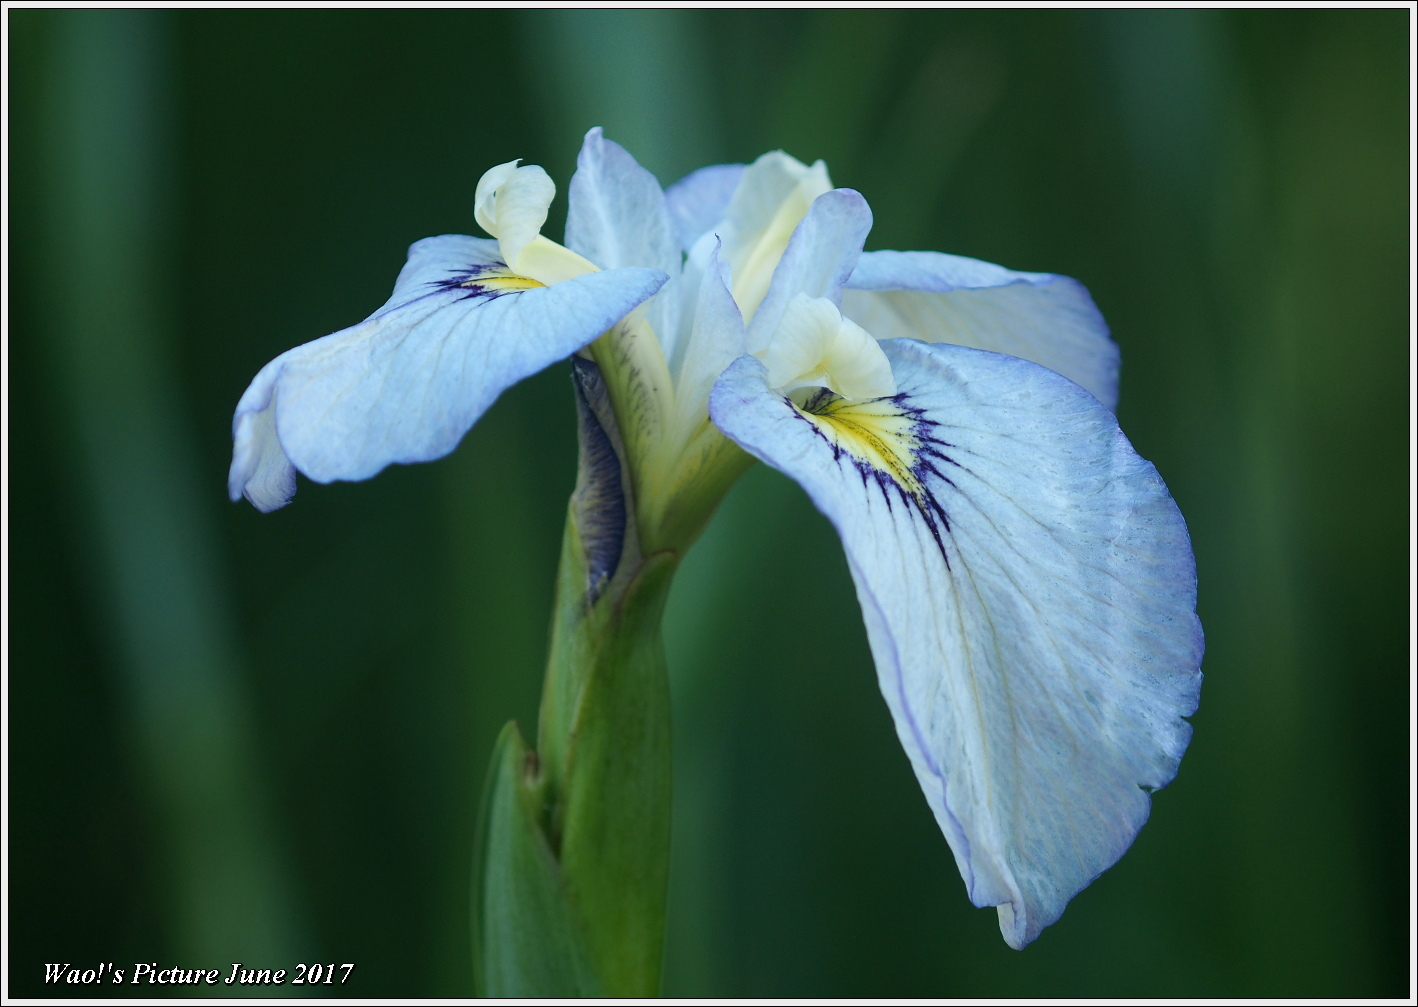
(940, 298)
(699, 201)
(616, 213)
(819, 258)
(260, 470)
(616, 217)
(1030, 607)
(406, 384)
(715, 341)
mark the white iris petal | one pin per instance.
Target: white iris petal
(715, 341)
(260, 470)
(617, 217)
(772, 197)
(1029, 595)
(698, 202)
(940, 298)
(1026, 582)
(405, 384)
(819, 257)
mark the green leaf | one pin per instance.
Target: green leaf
(525, 940)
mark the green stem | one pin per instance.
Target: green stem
(574, 850)
(612, 813)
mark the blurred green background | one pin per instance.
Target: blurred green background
(261, 738)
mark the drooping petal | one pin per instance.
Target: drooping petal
(1029, 594)
(617, 217)
(819, 257)
(406, 384)
(940, 298)
(260, 470)
(700, 200)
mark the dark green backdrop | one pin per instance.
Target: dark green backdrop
(261, 738)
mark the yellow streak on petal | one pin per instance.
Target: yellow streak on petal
(502, 282)
(875, 432)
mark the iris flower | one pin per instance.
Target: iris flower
(1026, 580)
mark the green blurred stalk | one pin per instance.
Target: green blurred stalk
(642, 75)
(1232, 184)
(156, 582)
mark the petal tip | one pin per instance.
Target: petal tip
(260, 470)
(1011, 927)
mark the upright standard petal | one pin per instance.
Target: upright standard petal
(771, 200)
(616, 214)
(406, 384)
(716, 339)
(1029, 593)
(819, 257)
(941, 298)
(700, 200)
(616, 217)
